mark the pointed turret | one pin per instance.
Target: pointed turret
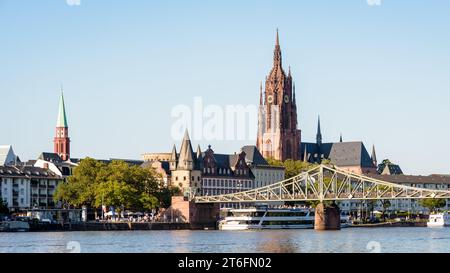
(62, 118)
(173, 158)
(186, 160)
(295, 100)
(319, 134)
(305, 155)
(374, 157)
(261, 101)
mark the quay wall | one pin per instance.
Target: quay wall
(95, 226)
(393, 224)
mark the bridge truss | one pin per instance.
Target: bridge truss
(324, 183)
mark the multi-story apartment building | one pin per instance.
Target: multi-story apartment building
(27, 187)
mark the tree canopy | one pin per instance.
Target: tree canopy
(433, 203)
(292, 167)
(117, 184)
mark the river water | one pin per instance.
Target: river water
(359, 240)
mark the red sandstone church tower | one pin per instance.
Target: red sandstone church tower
(278, 135)
(62, 140)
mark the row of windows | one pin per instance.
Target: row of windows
(209, 192)
(225, 183)
(185, 178)
(224, 171)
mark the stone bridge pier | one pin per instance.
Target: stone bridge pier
(199, 216)
(327, 217)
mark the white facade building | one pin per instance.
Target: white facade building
(26, 187)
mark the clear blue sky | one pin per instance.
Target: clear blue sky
(380, 74)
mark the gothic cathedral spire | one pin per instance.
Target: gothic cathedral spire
(319, 133)
(277, 59)
(278, 135)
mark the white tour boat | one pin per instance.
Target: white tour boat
(439, 220)
(271, 218)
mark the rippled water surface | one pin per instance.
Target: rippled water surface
(273, 241)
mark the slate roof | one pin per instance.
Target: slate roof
(339, 153)
(253, 156)
(392, 169)
(50, 157)
(28, 171)
(7, 155)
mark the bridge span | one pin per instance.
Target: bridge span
(325, 183)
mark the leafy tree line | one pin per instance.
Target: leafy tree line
(117, 184)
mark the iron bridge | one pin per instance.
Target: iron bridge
(324, 183)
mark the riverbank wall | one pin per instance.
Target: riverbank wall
(392, 224)
(96, 226)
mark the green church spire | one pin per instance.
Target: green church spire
(62, 119)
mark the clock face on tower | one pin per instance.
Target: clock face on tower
(286, 99)
(270, 99)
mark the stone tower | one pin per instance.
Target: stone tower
(62, 140)
(185, 172)
(278, 135)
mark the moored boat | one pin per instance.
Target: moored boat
(271, 218)
(439, 220)
(14, 226)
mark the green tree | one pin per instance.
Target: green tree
(79, 190)
(292, 167)
(433, 203)
(117, 184)
(385, 204)
(165, 196)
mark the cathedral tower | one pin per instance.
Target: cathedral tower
(278, 135)
(62, 140)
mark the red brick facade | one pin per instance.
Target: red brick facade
(62, 143)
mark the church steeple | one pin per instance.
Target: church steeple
(374, 157)
(62, 141)
(277, 60)
(62, 118)
(319, 133)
